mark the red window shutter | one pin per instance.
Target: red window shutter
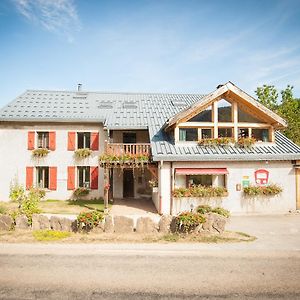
(30, 142)
(71, 178)
(95, 141)
(94, 178)
(71, 141)
(29, 177)
(52, 140)
(53, 178)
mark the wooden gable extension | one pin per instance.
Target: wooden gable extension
(238, 98)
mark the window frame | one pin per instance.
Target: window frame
(86, 136)
(43, 139)
(86, 172)
(44, 171)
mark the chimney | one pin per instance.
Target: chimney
(79, 87)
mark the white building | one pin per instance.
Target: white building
(158, 137)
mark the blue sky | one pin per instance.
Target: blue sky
(150, 46)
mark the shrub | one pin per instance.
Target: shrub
(204, 209)
(267, 190)
(40, 152)
(88, 220)
(200, 191)
(83, 153)
(80, 192)
(188, 221)
(17, 193)
(50, 235)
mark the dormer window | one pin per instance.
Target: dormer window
(188, 134)
(261, 135)
(224, 111)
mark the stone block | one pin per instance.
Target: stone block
(55, 223)
(165, 223)
(146, 225)
(123, 224)
(6, 222)
(40, 222)
(108, 224)
(22, 222)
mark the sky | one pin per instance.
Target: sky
(187, 46)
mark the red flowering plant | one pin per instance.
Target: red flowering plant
(88, 220)
(107, 186)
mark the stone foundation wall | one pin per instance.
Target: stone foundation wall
(112, 224)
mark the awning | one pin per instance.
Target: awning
(201, 171)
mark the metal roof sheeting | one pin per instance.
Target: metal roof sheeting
(137, 111)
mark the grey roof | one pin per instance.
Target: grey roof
(136, 111)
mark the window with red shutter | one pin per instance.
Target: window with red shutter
(94, 178)
(71, 178)
(53, 178)
(95, 141)
(30, 142)
(71, 141)
(52, 140)
(29, 177)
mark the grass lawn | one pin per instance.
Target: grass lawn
(63, 206)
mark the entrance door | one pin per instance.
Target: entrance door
(128, 184)
(129, 138)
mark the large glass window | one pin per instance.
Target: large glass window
(42, 177)
(261, 135)
(224, 111)
(246, 117)
(243, 132)
(225, 132)
(43, 140)
(188, 134)
(205, 180)
(206, 133)
(83, 140)
(83, 176)
(203, 116)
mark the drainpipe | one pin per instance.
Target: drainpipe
(171, 188)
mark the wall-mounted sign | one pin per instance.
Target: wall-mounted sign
(261, 176)
(245, 181)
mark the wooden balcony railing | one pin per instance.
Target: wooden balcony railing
(121, 149)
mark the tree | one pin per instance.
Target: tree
(288, 108)
(268, 96)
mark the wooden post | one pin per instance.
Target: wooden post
(215, 118)
(106, 191)
(297, 174)
(176, 134)
(235, 120)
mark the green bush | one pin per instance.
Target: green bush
(3, 210)
(188, 221)
(83, 153)
(204, 209)
(80, 192)
(267, 190)
(88, 220)
(50, 235)
(200, 191)
(17, 193)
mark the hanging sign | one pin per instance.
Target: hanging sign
(261, 176)
(245, 181)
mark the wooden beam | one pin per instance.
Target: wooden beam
(215, 118)
(222, 124)
(176, 134)
(199, 134)
(234, 108)
(297, 174)
(271, 134)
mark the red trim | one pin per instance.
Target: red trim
(30, 142)
(52, 140)
(94, 178)
(71, 178)
(29, 177)
(95, 141)
(201, 171)
(71, 141)
(53, 178)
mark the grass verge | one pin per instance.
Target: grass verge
(50, 235)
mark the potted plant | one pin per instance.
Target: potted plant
(40, 152)
(83, 153)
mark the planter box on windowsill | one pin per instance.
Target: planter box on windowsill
(204, 198)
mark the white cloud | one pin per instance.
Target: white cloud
(57, 16)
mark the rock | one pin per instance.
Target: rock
(165, 223)
(145, 225)
(55, 223)
(67, 224)
(123, 224)
(6, 222)
(173, 228)
(99, 228)
(22, 222)
(108, 224)
(219, 223)
(40, 222)
(207, 225)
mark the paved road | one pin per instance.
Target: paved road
(263, 269)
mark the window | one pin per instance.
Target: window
(83, 140)
(246, 117)
(42, 177)
(83, 176)
(225, 132)
(205, 180)
(261, 135)
(243, 132)
(188, 134)
(224, 111)
(204, 116)
(43, 140)
(206, 133)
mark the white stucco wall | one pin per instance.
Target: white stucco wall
(281, 173)
(164, 185)
(15, 157)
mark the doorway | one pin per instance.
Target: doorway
(128, 184)
(129, 137)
